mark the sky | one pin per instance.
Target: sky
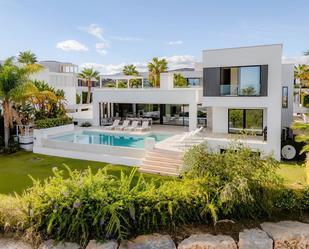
(110, 34)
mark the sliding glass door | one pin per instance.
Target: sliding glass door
(248, 121)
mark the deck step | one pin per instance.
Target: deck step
(163, 162)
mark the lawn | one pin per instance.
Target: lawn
(294, 174)
(16, 168)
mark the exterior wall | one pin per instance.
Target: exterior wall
(260, 55)
(63, 81)
(192, 97)
(288, 80)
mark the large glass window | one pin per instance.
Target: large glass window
(249, 80)
(240, 81)
(249, 121)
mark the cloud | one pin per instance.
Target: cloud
(174, 62)
(95, 30)
(101, 47)
(71, 45)
(179, 42)
(296, 60)
(126, 38)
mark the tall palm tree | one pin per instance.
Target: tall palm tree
(130, 70)
(301, 73)
(155, 67)
(27, 57)
(88, 75)
(12, 86)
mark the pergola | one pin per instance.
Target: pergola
(126, 78)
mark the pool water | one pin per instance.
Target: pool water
(92, 137)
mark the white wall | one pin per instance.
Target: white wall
(65, 81)
(288, 80)
(258, 55)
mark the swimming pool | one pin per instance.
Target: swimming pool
(123, 140)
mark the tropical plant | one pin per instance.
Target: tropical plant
(155, 68)
(239, 175)
(27, 57)
(13, 80)
(301, 73)
(180, 81)
(88, 75)
(131, 70)
(303, 137)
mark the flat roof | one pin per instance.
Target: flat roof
(253, 46)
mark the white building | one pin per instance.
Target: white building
(60, 76)
(244, 90)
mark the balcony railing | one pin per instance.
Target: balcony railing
(235, 90)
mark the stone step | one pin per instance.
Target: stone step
(165, 173)
(163, 159)
(160, 168)
(162, 163)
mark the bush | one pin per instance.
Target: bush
(86, 124)
(244, 181)
(103, 207)
(12, 214)
(52, 122)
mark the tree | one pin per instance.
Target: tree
(131, 70)
(27, 57)
(13, 80)
(88, 75)
(155, 68)
(301, 73)
(180, 81)
(306, 53)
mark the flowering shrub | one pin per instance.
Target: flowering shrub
(52, 122)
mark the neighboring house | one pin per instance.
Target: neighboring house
(243, 89)
(62, 76)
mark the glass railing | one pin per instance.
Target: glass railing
(235, 90)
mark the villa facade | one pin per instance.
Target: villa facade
(233, 91)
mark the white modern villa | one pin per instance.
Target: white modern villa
(243, 94)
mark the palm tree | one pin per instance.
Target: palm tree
(155, 67)
(130, 70)
(13, 80)
(88, 75)
(301, 73)
(27, 57)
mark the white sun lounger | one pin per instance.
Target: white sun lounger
(124, 125)
(132, 127)
(145, 126)
(114, 125)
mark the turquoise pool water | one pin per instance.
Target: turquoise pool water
(92, 137)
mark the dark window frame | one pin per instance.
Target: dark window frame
(238, 67)
(285, 105)
(244, 120)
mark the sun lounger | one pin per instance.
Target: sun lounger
(145, 126)
(114, 125)
(124, 125)
(132, 127)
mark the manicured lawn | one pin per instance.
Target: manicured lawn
(16, 168)
(294, 174)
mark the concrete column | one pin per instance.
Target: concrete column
(192, 116)
(96, 110)
(108, 110)
(100, 81)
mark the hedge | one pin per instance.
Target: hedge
(52, 122)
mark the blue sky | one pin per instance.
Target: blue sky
(109, 34)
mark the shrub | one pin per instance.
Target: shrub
(86, 124)
(244, 181)
(12, 214)
(52, 122)
(100, 206)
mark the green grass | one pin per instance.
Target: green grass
(16, 168)
(294, 174)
